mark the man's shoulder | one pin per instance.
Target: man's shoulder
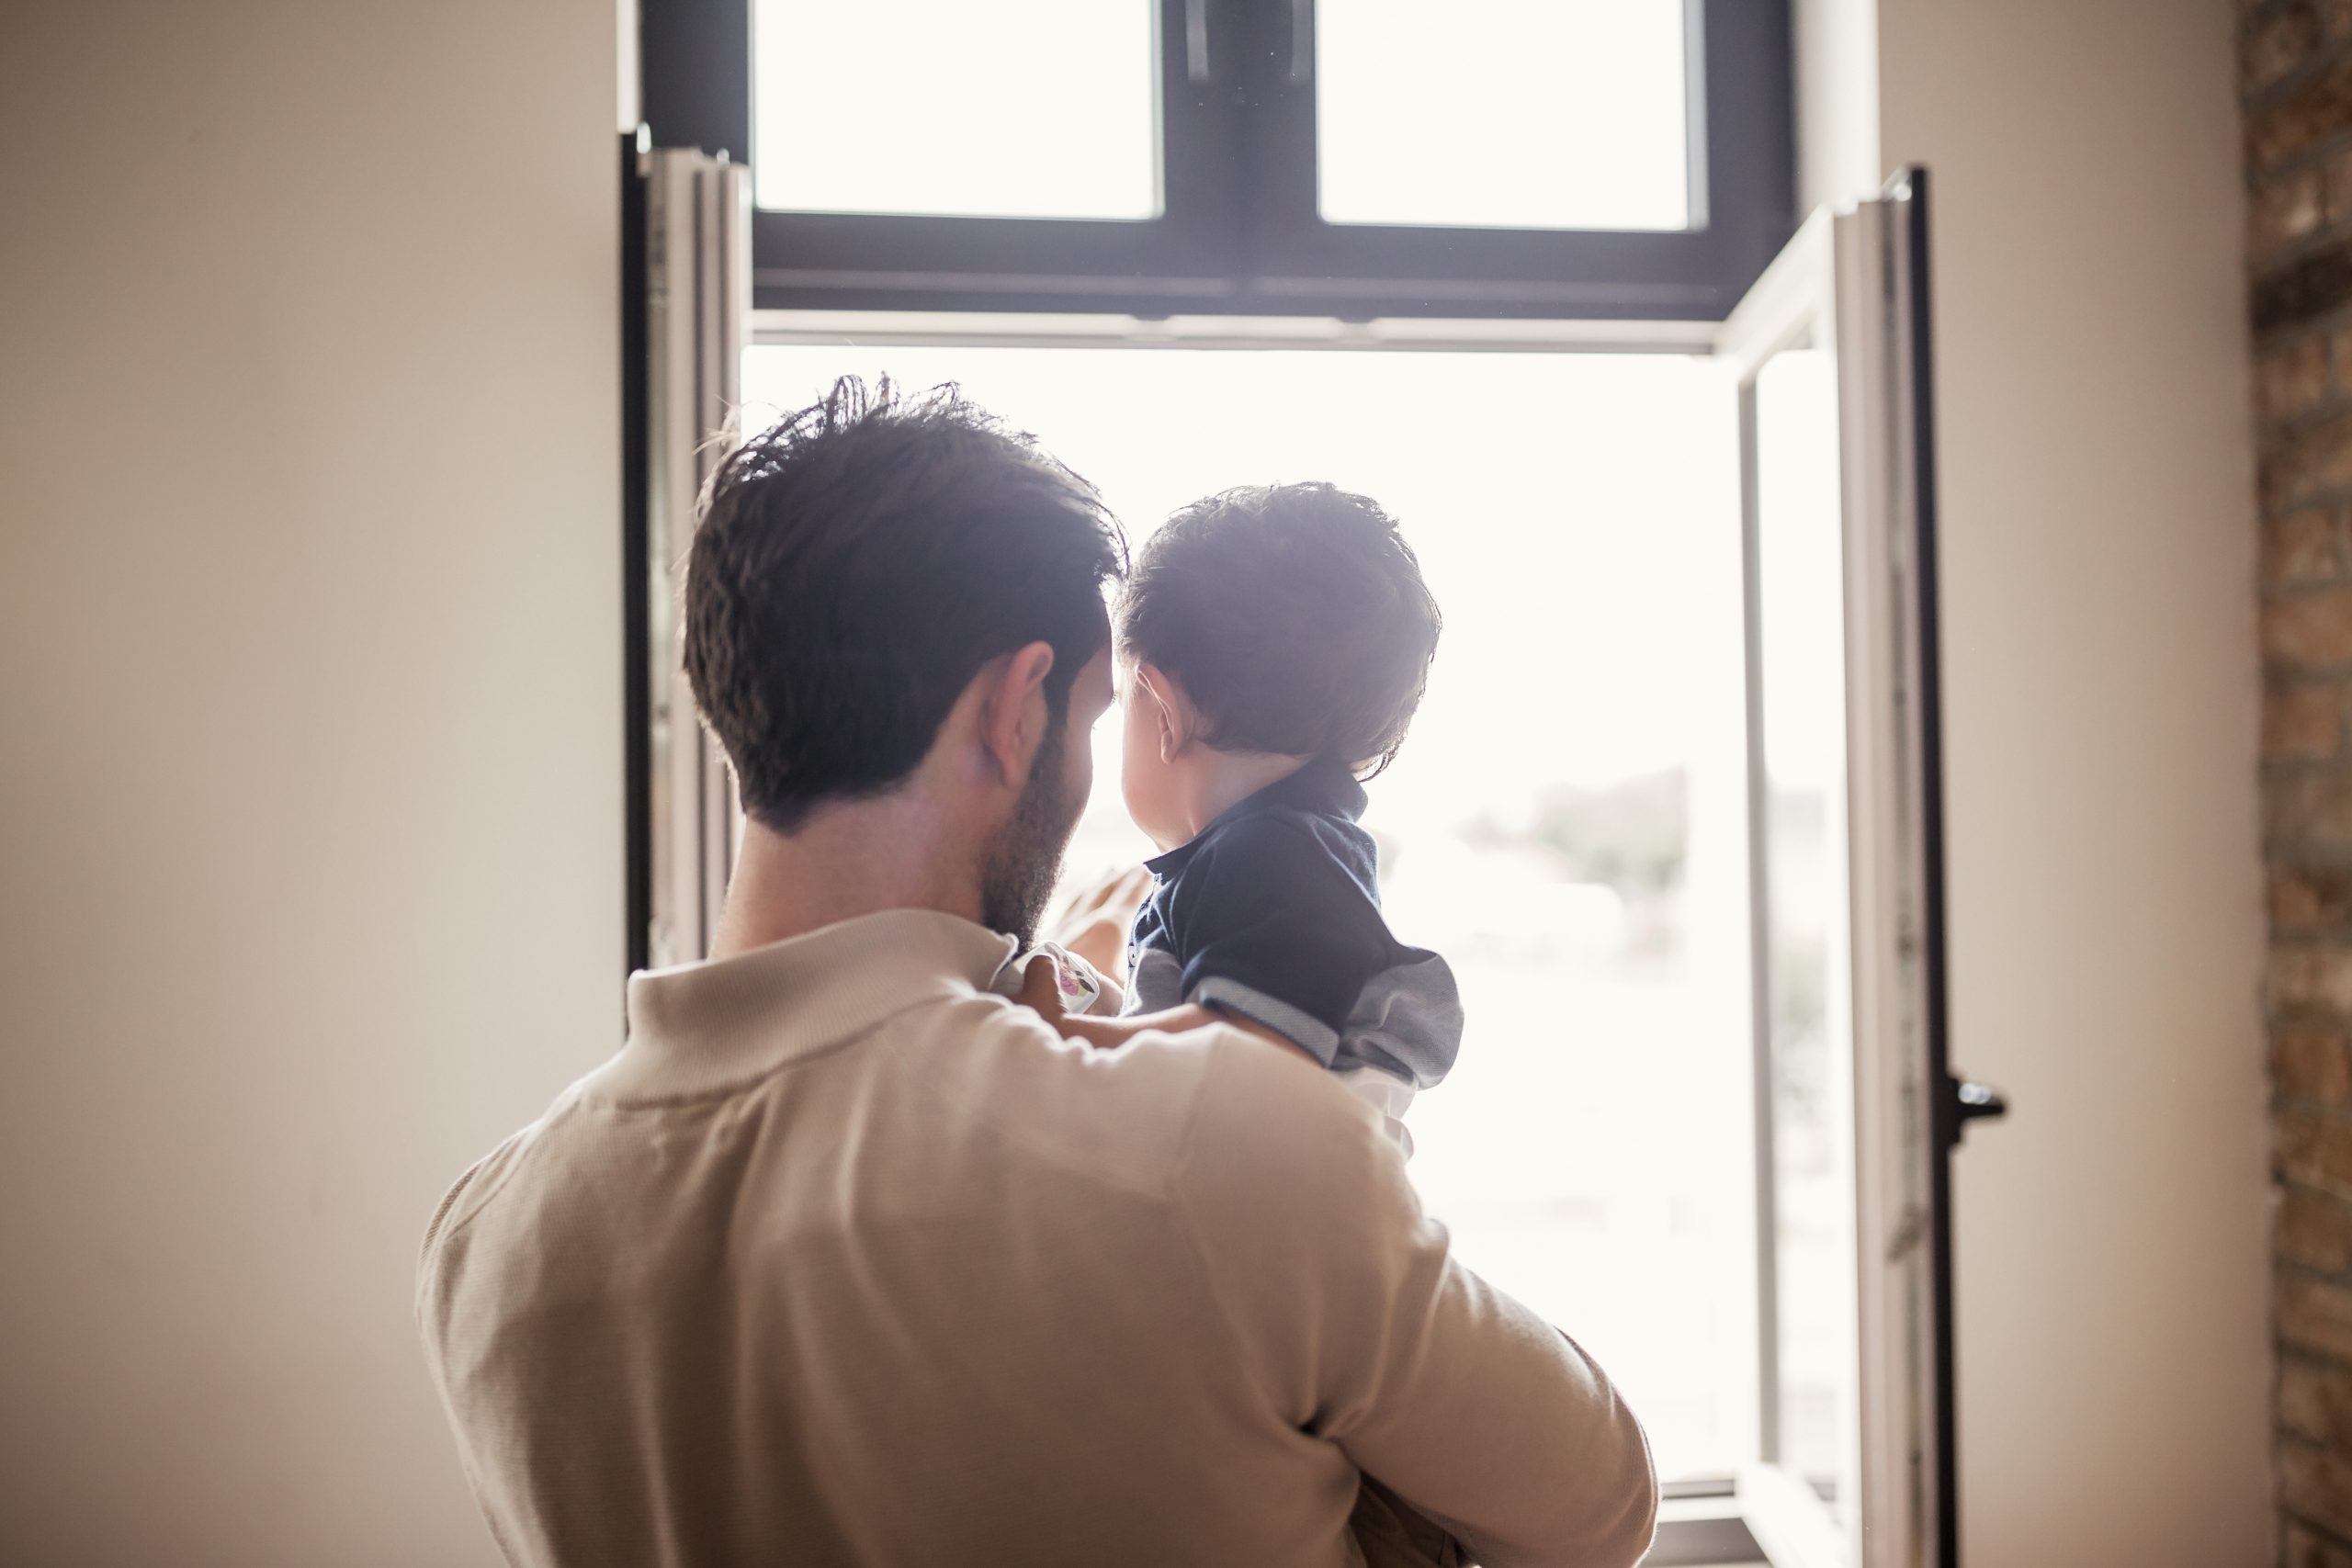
(1271, 1113)
(1119, 1115)
(1139, 1113)
(1288, 1185)
(480, 1182)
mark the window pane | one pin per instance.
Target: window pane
(1801, 658)
(1028, 108)
(1503, 114)
(1567, 822)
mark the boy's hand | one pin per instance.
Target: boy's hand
(1041, 989)
(1094, 923)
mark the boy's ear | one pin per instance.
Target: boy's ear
(1171, 713)
(1172, 735)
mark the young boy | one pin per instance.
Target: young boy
(1274, 644)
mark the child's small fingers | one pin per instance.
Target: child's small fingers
(1041, 985)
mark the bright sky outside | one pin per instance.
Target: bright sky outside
(1557, 502)
(1050, 108)
(1588, 95)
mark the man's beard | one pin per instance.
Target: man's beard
(1022, 867)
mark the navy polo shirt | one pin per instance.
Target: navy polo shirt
(1273, 912)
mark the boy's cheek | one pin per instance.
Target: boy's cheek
(1143, 778)
(1137, 784)
(1136, 750)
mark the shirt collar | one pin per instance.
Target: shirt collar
(703, 1027)
(1319, 789)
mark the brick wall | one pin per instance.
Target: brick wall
(2295, 75)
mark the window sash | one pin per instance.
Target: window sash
(1241, 233)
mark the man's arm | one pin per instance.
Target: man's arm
(1039, 991)
(1363, 1330)
(1106, 1032)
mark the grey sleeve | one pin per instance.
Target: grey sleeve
(1407, 1022)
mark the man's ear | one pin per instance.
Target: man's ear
(1013, 717)
(1171, 713)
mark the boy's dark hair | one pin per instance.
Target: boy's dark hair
(856, 563)
(1295, 618)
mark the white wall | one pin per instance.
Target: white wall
(308, 878)
(2099, 540)
(310, 817)
(1836, 42)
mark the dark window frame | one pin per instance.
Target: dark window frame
(1239, 233)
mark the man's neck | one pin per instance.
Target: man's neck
(852, 858)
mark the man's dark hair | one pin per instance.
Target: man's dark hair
(1294, 617)
(856, 563)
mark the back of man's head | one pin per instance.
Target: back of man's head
(856, 564)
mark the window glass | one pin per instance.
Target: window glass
(1027, 108)
(1801, 672)
(1567, 821)
(1503, 114)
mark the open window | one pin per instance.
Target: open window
(1824, 1433)
(1856, 1109)
(685, 313)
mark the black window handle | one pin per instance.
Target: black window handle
(1973, 1101)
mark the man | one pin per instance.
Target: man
(845, 1259)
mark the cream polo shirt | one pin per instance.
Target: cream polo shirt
(845, 1259)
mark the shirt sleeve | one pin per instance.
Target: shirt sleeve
(1267, 923)
(1365, 1331)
